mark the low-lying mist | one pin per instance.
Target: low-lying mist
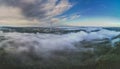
(43, 44)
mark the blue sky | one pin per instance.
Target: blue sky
(106, 12)
(88, 8)
(60, 12)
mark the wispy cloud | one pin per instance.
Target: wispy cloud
(39, 11)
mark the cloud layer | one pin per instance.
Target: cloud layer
(42, 11)
(45, 44)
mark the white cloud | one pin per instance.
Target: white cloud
(33, 11)
(59, 8)
(10, 12)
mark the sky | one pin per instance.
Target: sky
(60, 13)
